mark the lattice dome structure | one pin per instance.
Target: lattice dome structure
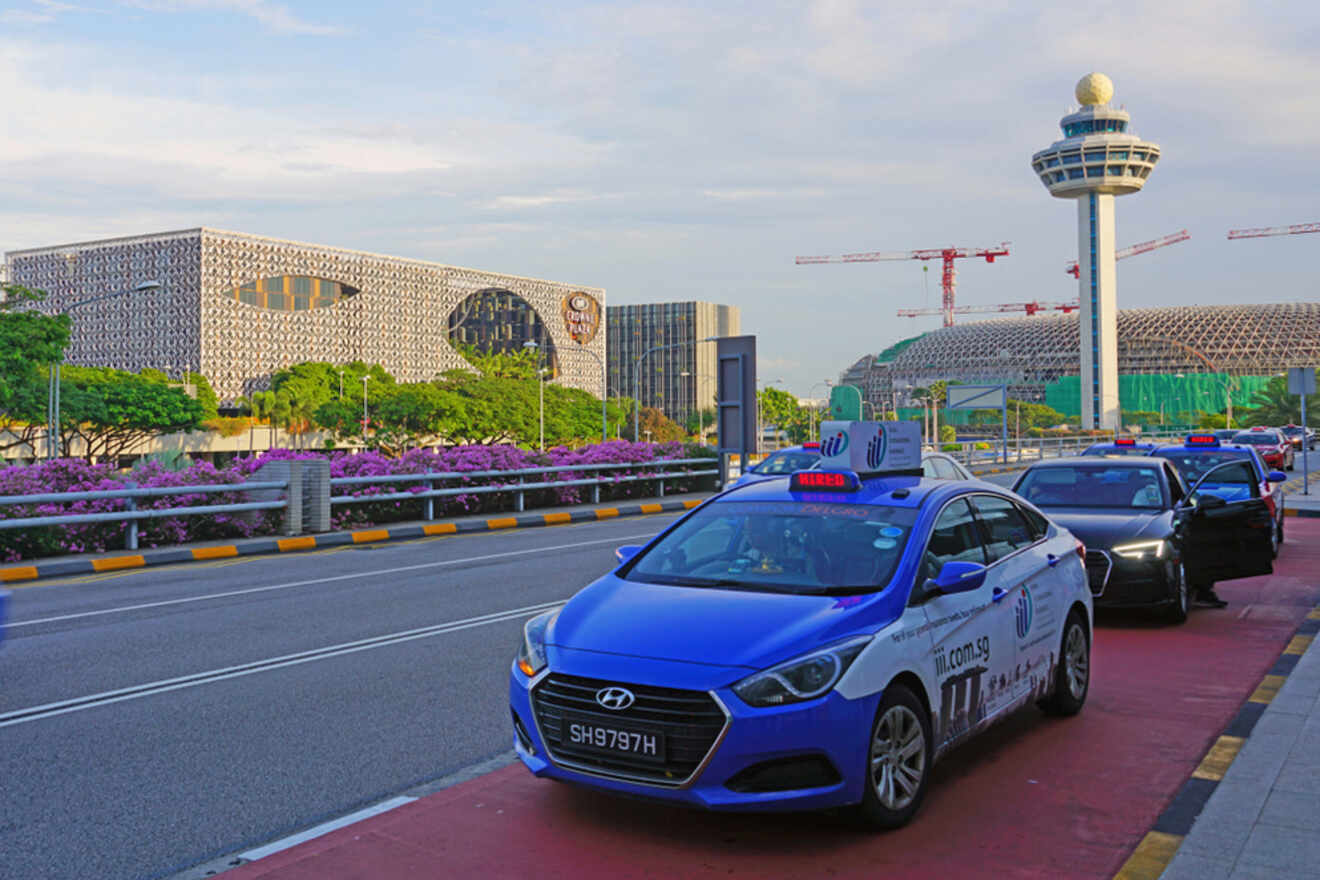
(1030, 353)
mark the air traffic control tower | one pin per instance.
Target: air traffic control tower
(1098, 158)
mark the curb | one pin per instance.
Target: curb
(1300, 511)
(262, 546)
(1159, 845)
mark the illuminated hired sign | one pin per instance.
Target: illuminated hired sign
(823, 481)
(1202, 440)
(581, 316)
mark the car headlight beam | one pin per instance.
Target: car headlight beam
(803, 678)
(531, 650)
(1143, 549)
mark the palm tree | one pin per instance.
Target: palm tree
(1275, 406)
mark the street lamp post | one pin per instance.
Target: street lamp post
(341, 384)
(637, 379)
(53, 397)
(365, 420)
(828, 383)
(540, 386)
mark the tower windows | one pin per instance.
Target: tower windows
(289, 293)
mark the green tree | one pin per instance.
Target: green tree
(1273, 405)
(519, 364)
(29, 341)
(112, 411)
(657, 427)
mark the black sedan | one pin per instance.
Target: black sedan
(1150, 541)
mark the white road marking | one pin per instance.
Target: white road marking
(14, 624)
(324, 828)
(105, 698)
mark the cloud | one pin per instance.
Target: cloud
(274, 16)
(42, 12)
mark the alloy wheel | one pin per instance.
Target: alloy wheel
(898, 758)
(1077, 664)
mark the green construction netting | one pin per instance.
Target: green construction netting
(1162, 392)
(893, 351)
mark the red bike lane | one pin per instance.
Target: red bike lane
(1035, 797)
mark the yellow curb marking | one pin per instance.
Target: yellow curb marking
(1215, 764)
(653, 508)
(214, 552)
(1151, 856)
(1314, 615)
(1298, 645)
(554, 519)
(287, 544)
(691, 503)
(606, 512)
(366, 536)
(440, 529)
(1288, 511)
(506, 522)
(20, 573)
(114, 563)
(1268, 689)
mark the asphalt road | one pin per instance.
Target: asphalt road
(152, 720)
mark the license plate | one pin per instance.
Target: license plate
(590, 735)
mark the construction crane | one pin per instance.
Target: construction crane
(948, 255)
(1262, 232)
(1031, 308)
(1142, 248)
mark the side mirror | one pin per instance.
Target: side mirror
(1208, 502)
(626, 552)
(1277, 477)
(958, 577)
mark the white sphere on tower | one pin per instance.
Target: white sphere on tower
(1094, 88)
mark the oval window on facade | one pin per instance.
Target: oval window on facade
(292, 293)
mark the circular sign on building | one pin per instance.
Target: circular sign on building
(581, 316)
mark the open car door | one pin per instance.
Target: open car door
(1228, 532)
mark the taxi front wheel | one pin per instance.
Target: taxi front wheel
(1072, 675)
(898, 760)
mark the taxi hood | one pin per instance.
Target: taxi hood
(712, 625)
(1100, 529)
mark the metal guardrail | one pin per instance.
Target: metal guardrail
(131, 515)
(428, 492)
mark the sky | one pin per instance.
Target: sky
(675, 151)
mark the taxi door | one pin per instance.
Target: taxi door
(1025, 586)
(1232, 539)
(971, 633)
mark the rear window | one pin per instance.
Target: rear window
(1097, 485)
(787, 463)
(1257, 438)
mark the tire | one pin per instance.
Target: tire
(1182, 601)
(898, 758)
(1072, 677)
(1278, 536)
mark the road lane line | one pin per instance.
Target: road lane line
(13, 624)
(324, 828)
(134, 692)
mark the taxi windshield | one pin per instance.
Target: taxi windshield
(1193, 464)
(820, 548)
(787, 462)
(1085, 485)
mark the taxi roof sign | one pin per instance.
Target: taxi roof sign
(1202, 440)
(870, 447)
(824, 481)
(1124, 441)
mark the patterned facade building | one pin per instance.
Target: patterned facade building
(636, 329)
(239, 307)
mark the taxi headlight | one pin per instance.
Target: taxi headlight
(1143, 550)
(801, 679)
(531, 651)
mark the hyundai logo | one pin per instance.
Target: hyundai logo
(615, 698)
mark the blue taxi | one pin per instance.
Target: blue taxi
(1120, 446)
(780, 463)
(817, 640)
(1200, 452)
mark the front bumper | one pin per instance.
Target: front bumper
(829, 732)
(1135, 583)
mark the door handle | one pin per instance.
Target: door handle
(1051, 559)
(998, 594)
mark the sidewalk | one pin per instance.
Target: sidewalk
(1263, 818)
(91, 563)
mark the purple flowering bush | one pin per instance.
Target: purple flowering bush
(75, 475)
